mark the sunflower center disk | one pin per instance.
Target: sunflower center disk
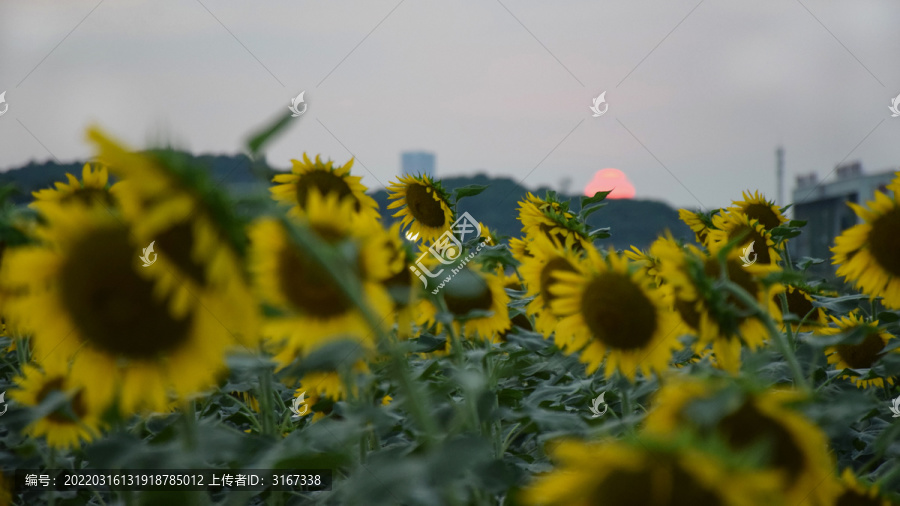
(78, 406)
(753, 236)
(326, 183)
(764, 214)
(306, 285)
(176, 243)
(796, 302)
(467, 292)
(111, 305)
(672, 486)
(738, 275)
(423, 206)
(884, 241)
(618, 313)
(557, 264)
(862, 355)
(748, 427)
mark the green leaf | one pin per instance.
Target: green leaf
(258, 140)
(598, 197)
(840, 305)
(468, 191)
(805, 262)
(600, 233)
(590, 210)
(888, 317)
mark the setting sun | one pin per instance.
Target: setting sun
(610, 179)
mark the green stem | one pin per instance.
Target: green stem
(418, 403)
(266, 410)
(777, 336)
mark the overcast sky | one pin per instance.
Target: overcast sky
(699, 94)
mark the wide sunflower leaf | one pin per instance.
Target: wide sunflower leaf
(840, 305)
(468, 191)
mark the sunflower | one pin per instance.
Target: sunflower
(471, 289)
(734, 224)
(697, 223)
(610, 306)
(756, 207)
(60, 429)
(639, 474)
(800, 303)
(307, 175)
(424, 206)
(519, 247)
(309, 307)
(715, 317)
(320, 385)
(197, 240)
(650, 263)
(862, 355)
(402, 287)
(89, 191)
(551, 218)
(538, 273)
(857, 493)
(867, 252)
(794, 447)
(108, 318)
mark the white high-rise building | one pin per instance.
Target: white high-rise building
(417, 162)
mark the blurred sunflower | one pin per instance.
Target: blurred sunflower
(800, 303)
(756, 207)
(60, 429)
(610, 306)
(107, 317)
(794, 447)
(310, 308)
(424, 206)
(856, 493)
(619, 473)
(401, 286)
(467, 291)
(715, 316)
(862, 355)
(867, 253)
(321, 385)
(307, 175)
(198, 241)
(650, 263)
(519, 247)
(552, 219)
(697, 223)
(538, 272)
(89, 191)
(734, 224)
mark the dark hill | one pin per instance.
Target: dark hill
(631, 222)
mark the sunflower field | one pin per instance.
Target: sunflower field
(422, 359)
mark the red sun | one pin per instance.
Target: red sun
(610, 179)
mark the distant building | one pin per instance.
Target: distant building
(824, 207)
(417, 162)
